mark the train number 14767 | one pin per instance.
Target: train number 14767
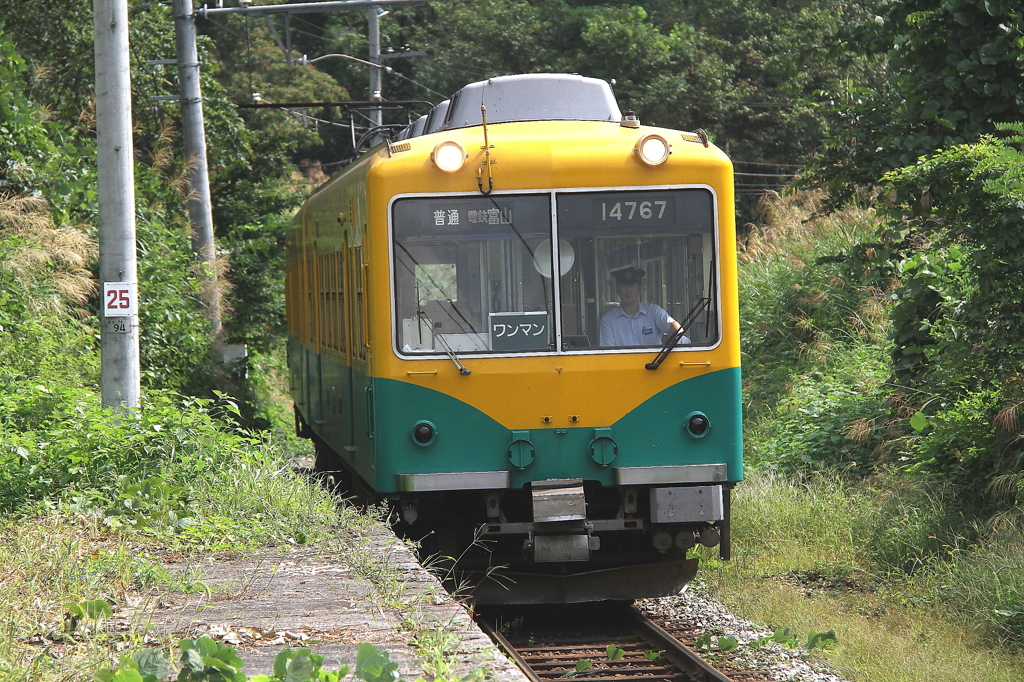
(629, 210)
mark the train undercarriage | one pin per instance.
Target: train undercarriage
(555, 541)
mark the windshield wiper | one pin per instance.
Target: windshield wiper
(463, 370)
(704, 303)
(691, 317)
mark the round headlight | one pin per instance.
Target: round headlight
(449, 156)
(653, 149)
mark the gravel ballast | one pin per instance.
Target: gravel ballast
(695, 608)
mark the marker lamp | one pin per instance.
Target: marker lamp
(423, 433)
(697, 424)
(449, 156)
(653, 149)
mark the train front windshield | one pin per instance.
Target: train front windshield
(474, 273)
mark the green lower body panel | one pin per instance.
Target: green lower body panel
(654, 434)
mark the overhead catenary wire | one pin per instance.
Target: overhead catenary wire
(308, 117)
(323, 164)
(383, 67)
(765, 163)
(725, 100)
(428, 89)
(468, 68)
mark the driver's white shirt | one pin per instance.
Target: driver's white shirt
(643, 329)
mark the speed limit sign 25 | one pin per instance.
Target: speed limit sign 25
(120, 299)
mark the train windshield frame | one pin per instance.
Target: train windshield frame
(473, 273)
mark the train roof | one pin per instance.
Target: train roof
(524, 97)
(435, 119)
(533, 97)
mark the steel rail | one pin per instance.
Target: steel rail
(509, 650)
(566, 649)
(675, 650)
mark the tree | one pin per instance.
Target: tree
(959, 314)
(954, 71)
(748, 72)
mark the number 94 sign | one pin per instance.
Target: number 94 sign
(120, 299)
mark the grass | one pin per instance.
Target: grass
(914, 578)
(236, 495)
(802, 560)
(47, 563)
(91, 508)
(877, 643)
(96, 506)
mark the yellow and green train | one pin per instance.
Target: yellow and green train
(519, 325)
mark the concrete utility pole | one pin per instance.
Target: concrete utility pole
(119, 332)
(373, 34)
(194, 133)
(197, 174)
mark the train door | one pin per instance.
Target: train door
(362, 386)
(336, 376)
(315, 394)
(349, 387)
(333, 371)
(307, 335)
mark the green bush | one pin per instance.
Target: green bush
(25, 144)
(832, 419)
(175, 466)
(814, 362)
(59, 443)
(959, 439)
(958, 322)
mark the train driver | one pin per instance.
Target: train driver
(635, 323)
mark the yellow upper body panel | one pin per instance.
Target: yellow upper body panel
(530, 391)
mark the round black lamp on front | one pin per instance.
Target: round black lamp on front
(697, 424)
(424, 433)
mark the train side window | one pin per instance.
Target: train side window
(291, 309)
(332, 284)
(322, 334)
(309, 321)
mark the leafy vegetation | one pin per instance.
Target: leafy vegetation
(952, 72)
(206, 660)
(928, 417)
(734, 68)
(907, 495)
(881, 320)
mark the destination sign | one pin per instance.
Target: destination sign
(460, 218)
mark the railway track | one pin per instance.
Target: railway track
(605, 642)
